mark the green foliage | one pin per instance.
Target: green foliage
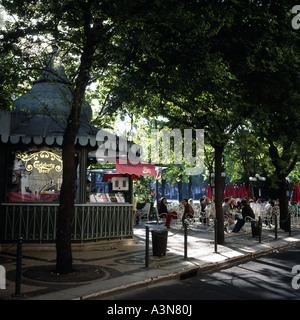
(230, 67)
(143, 187)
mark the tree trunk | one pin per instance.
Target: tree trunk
(68, 189)
(282, 172)
(190, 186)
(163, 187)
(66, 211)
(179, 185)
(218, 193)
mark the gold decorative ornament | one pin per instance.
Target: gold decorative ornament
(37, 160)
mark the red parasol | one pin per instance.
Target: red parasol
(226, 192)
(231, 190)
(209, 193)
(242, 192)
(236, 192)
(245, 190)
(249, 191)
(296, 193)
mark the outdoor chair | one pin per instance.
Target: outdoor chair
(197, 214)
(226, 223)
(143, 213)
(247, 226)
(196, 218)
(160, 219)
(190, 221)
(205, 217)
(267, 218)
(178, 221)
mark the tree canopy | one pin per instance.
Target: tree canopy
(227, 67)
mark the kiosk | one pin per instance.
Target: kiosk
(31, 137)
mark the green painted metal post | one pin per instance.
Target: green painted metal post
(147, 248)
(18, 267)
(185, 240)
(216, 235)
(276, 226)
(260, 229)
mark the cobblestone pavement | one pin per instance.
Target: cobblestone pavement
(116, 265)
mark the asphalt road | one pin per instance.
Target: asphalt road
(268, 277)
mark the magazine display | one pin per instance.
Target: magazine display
(107, 197)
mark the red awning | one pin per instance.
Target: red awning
(108, 176)
(139, 168)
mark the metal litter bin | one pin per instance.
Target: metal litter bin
(255, 228)
(159, 242)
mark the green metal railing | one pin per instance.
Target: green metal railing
(37, 221)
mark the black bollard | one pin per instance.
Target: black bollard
(276, 226)
(185, 240)
(259, 229)
(147, 248)
(18, 267)
(216, 235)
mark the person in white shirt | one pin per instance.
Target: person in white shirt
(257, 207)
(144, 211)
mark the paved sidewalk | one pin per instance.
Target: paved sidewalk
(122, 263)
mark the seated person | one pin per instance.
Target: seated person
(256, 207)
(188, 211)
(268, 211)
(239, 206)
(228, 219)
(164, 212)
(233, 206)
(210, 209)
(202, 209)
(145, 210)
(246, 212)
(93, 195)
(202, 204)
(88, 185)
(295, 208)
(162, 208)
(226, 207)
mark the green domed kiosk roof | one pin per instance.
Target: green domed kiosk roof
(51, 94)
(40, 115)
